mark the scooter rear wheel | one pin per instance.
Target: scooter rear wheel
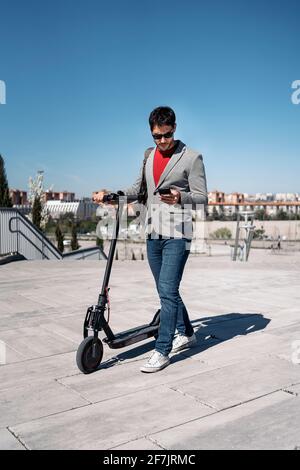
(89, 355)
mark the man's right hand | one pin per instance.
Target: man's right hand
(98, 197)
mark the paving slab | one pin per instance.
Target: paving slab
(238, 348)
(282, 318)
(34, 342)
(288, 332)
(234, 384)
(268, 423)
(25, 403)
(36, 319)
(69, 327)
(11, 356)
(8, 441)
(293, 389)
(37, 370)
(113, 422)
(22, 319)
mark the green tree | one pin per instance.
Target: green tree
(86, 226)
(215, 214)
(99, 242)
(260, 214)
(59, 238)
(66, 222)
(282, 215)
(259, 233)
(37, 212)
(74, 241)
(5, 200)
(67, 218)
(51, 225)
(222, 233)
(222, 216)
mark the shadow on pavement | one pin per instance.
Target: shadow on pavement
(209, 331)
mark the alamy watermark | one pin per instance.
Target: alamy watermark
(296, 94)
(2, 92)
(2, 353)
(185, 222)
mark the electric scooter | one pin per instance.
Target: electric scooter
(90, 351)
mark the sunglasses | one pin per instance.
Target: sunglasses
(167, 135)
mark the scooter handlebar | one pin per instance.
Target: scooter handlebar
(110, 197)
(115, 197)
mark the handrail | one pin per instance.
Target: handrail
(85, 251)
(43, 240)
(25, 236)
(31, 225)
(15, 214)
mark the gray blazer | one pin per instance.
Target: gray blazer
(185, 172)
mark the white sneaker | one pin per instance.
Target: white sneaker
(156, 362)
(182, 342)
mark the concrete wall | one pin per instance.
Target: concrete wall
(289, 229)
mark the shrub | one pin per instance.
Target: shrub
(222, 234)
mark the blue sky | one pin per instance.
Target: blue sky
(82, 77)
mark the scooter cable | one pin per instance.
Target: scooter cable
(108, 304)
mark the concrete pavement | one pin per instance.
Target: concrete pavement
(238, 388)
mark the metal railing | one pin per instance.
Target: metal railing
(86, 253)
(19, 235)
(242, 250)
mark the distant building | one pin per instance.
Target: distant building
(59, 196)
(18, 197)
(228, 204)
(249, 197)
(57, 203)
(235, 198)
(82, 210)
(260, 197)
(216, 197)
(286, 197)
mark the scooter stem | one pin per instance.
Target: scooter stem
(112, 249)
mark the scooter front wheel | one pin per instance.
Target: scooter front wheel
(89, 355)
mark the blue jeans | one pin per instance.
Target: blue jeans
(167, 258)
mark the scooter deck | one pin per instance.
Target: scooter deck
(132, 336)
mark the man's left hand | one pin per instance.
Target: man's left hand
(173, 198)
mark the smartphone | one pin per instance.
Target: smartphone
(164, 191)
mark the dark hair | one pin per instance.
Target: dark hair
(162, 116)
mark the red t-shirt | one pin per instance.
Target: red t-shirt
(160, 162)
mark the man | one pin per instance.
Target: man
(172, 166)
